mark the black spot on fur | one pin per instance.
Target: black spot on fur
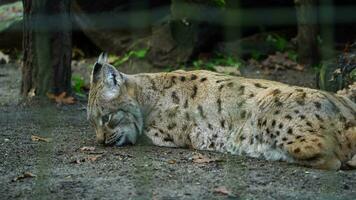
(276, 112)
(299, 90)
(251, 95)
(182, 78)
(219, 105)
(301, 99)
(298, 137)
(173, 80)
(243, 114)
(288, 117)
(193, 77)
(284, 139)
(318, 117)
(296, 111)
(278, 102)
(278, 133)
(231, 84)
(171, 126)
(242, 89)
(221, 87)
(264, 122)
(219, 81)
(258, 85)
(280, 126)
(317, 104)
(153, 84)
(210, 126)
(308, 123)
(290, 131)
(267, 131)
(175, 98)
(186, 103)
(184, 127)
(203, 79)
(168, 139)
(187, 116)
(201, 111)
(273, 123)
(291, 142)
(222, 123)
(275, 92)
(195, 90)
(302, 116)
(156, 134)
(242, 137)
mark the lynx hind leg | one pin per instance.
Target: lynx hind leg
(351, 136)
(315, 151)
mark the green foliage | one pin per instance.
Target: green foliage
(219, 3)
(293, 55)
(219, 60)
(77, 83)
(353, 75)
(280, 43)
(256, 55)
(117, 61)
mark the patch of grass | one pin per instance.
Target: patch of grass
(119, 60)
(293, 55)
(219, 3)
(78, 84)
(279, 42)
(218, 60)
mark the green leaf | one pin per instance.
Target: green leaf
(77, 83)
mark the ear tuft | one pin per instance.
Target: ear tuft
(103, 58)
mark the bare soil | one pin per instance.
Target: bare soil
(143, 171)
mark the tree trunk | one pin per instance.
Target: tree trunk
(47, 47)
(307, 43)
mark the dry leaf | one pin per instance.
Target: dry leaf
(94, 158)
(62, 98)
(223, 191)
(172, 161)
(38, 138)
(278, 61)
(200, 158)
(87, 149)
(23, 176)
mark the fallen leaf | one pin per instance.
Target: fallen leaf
(94, 158)
(87, 149)
(278, 61)
(62, 98)
(172, 161)
(200, 158)
(223, 191)
(23, 176)
(38, 138)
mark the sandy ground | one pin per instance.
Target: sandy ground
(63, 171)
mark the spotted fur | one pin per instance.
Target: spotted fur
(210, 111)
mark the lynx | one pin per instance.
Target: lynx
(210, 111)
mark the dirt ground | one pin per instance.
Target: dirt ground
(63, 171)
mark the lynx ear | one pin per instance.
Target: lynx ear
(103, 58)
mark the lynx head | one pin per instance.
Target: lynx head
(106, 87)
